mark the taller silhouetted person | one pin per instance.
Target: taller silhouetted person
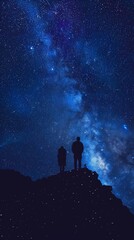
(77, 149)
(62, 158)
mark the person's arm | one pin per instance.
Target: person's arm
(82, 147)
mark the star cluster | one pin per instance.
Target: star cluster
(67, 71)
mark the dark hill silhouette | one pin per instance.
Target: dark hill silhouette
(72, 205)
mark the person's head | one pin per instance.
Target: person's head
(78, 139)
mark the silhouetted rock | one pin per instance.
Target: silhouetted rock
(12, 182)
(71, 205)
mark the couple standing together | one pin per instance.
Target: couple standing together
(77, 149)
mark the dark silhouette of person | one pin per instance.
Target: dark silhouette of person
(77, 149)
(62, 158)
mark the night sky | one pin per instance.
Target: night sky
(66, 70)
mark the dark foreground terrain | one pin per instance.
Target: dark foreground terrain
(73, 205)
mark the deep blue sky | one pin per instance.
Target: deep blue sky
(66, 71)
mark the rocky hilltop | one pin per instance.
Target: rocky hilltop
(72, 205)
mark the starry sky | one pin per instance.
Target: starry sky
(66, 70)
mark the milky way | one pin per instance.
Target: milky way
(67, 71)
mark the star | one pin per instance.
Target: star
(125, 126)
(31, 48)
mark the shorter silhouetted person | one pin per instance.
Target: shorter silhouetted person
(77, 149)
(62, 158)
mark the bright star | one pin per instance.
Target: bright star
(125, 126)
(31, 48)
